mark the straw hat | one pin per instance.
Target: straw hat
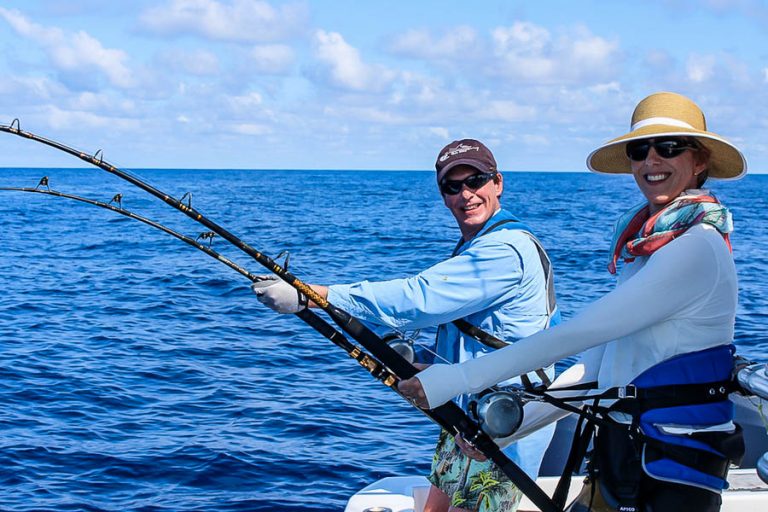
(666, 114)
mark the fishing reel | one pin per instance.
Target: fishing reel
(499, 412)
(402, 344)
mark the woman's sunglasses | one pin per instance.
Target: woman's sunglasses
(665, 148)
(474, 182)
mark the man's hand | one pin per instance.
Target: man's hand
(278, 295)
(469, 449)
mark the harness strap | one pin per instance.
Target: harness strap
(635, 400)
(582, 435)
(492, 341)
(631, 399)
(488, 339)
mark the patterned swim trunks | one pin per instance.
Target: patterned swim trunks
(470, 484)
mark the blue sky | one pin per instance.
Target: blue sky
(368, 84)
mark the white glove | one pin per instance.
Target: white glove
(278, 295)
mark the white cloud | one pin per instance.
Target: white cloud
(274, 59)
(440, 132)
(530, 53)
(606, 88)
(719, 69)
(700, 68)
(457, 42)
(35, 88)
(195, 62)
(100, 102)
(238, 20)
(590, 50)
(76, 53)
(367, 115)
(245, 102)
(58, 118)
(250, 129)
(344, 66)
(507, 110)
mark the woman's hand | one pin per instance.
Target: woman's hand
(412, 390)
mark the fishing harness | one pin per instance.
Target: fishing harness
(489, 340)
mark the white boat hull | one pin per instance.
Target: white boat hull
(747, 493)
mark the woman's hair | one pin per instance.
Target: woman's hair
(701, 156)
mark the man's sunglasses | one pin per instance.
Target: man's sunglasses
(665, 148)
(474, 182)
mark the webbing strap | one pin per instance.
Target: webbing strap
(494, 342)
(634, 400)
(491, 341)
(582, 435)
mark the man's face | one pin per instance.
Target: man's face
(472, 208)
(663, 179)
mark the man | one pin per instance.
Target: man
(498, 280)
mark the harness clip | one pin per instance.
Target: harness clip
(629, 391)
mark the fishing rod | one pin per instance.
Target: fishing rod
(449, 416)
(365, 360)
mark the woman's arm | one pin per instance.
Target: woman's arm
(669, 282)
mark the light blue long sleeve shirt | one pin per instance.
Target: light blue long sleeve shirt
(494, 281)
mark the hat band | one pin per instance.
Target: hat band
(660, 120)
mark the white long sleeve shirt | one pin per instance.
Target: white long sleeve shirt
(681, 299)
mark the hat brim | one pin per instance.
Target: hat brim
(463, 161)
(726, 162)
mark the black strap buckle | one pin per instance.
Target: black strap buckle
(628, 391)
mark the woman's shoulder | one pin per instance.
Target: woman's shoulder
(705, 234)
(701, 245)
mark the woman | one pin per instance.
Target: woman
(667, 326)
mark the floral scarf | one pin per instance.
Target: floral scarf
(638, 234)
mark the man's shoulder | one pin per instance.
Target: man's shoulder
(515, 243)
(509, 234)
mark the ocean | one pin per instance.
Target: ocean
(137, 373)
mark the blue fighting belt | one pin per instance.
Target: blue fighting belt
(681, 407)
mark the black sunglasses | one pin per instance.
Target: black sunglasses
(474, 182)
(665, 148)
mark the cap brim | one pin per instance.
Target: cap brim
(726, 162)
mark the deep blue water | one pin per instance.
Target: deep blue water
(138, 374)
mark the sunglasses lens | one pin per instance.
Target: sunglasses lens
(474, 182)
(665, 148)
(638, 151)
(451, 187)
(477, 181)
(670, 148)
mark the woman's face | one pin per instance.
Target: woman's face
(663, 179)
